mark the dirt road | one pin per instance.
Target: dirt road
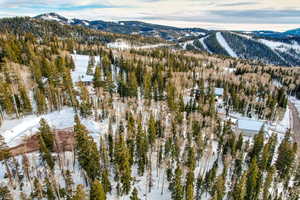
(295, 124)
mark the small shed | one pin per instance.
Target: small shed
(249, 127)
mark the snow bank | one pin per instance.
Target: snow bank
(225, 45)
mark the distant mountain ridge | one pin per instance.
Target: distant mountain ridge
(271, 47)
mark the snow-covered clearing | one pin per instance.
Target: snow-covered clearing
(225, 45)
(280, 46)
(123, 45)
(280, 127)
(15, 130)
(81, 64)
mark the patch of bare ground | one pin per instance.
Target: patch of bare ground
(64, 141)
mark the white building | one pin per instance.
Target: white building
(249, 127)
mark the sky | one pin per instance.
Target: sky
(278, 15)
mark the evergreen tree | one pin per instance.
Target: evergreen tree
(26, 105)
(286, 157)
(122, 161)
(97, 192)
(97, 78)
(252, 181)
(86, 150)
(177, 190)
(258, 144)
(134, 195)
(40, 102)
(189, 185)
(239, 191)
(79, 194)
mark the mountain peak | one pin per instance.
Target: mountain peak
(52, 16)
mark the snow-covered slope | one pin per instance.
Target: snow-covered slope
(81, 64)
(124, 45)
(225, 45)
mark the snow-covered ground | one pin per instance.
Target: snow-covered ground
(280, 127)
(81, 64)
(225, 45)
(15, 130)
(123, 45)
(280, 46)
(296, 102)
(185, 44)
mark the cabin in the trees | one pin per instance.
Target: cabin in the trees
(249, 127)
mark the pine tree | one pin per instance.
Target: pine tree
(286, 157)
(80, 193)
(40, 102)
(189, 185)
(26, 105)
(152, 130)
(141, 149)
(97, 192)
(132, 85)
(134, 195)
(86, 150)
(177, 190)
(267, 184)
(219, 187)
(47, 134)
(97, 78)
(49, 190)
(258, 144)
(252, 181)
(46, 142)
(105, 181)
(239, 191)
(122, 161)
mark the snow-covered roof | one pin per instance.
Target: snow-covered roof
(219, 91)
(250, 125)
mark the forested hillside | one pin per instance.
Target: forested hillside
(261, 46)
(79, 120)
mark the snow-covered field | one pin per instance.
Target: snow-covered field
(81, 64)
(225, 45)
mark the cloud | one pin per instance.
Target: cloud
(237, 4)
(174, 12)
(264, 16)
